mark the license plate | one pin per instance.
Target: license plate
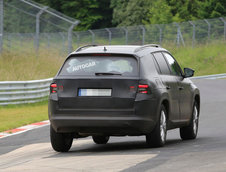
(94, 92)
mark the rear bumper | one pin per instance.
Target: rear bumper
(137, 121)
(102, 125)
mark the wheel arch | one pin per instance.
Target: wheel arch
(197, 100)
(165, 102)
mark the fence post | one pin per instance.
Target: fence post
(160, 34)
(70, 36)
(93, 36)
(143, 34)
(9, 42)
(21, 39)
(63, 41)
(1, 24)
(78, 39)
(208, 28)
(47, 36)
(109, 35)
(38, 26)
(126, 35)
(179, 35)
(222, 19)
(193, 34)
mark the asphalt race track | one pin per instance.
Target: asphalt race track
(31, 151)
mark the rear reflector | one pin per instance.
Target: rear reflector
(53, 88)
(143, 88)
(144, 92)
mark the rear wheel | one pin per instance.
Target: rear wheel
(61, 142)
(157, 137)
(100, 139)
(190, 132)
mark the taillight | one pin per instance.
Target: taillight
(143, 88)
(53, 88)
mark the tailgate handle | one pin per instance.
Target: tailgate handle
(181, 88)
(167, 87)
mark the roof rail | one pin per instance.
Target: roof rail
(85, 46)
(145, 46)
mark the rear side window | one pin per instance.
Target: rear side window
(89, 65)
(164, 69)
(175, 68)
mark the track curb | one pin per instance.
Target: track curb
(23, 129)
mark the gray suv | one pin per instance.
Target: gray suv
(104, 91)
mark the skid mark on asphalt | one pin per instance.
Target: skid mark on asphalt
(39, 157)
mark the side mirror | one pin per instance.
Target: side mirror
(188, 72)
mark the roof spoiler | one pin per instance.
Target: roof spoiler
(85, 46)
(146, 46)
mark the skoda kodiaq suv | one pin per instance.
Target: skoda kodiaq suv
(104, 91)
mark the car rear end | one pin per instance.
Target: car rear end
(101, 93)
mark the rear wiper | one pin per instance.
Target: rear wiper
(107, 73)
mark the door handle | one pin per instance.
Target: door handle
(181, 88)
(167, 87)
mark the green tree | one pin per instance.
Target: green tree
(183, 10)
(93, 14)
(130, 12)
(98, 14)
(212, 9)
(159, 12)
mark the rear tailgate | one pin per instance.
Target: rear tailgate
(120, 93)
(98, 82)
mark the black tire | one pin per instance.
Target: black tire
(157, 137)
(61, 142)
(190, 132)
(100, 139)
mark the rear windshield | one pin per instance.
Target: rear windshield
(125, 66)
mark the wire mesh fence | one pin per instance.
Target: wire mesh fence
(189, 33)
(29, 26)
(26, 26)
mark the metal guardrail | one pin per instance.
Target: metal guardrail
(217, 76)
(19, 92)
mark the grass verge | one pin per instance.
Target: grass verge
(14, 116)
(22, 67)
(204, 59)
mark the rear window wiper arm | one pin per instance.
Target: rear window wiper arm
(107, 73)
